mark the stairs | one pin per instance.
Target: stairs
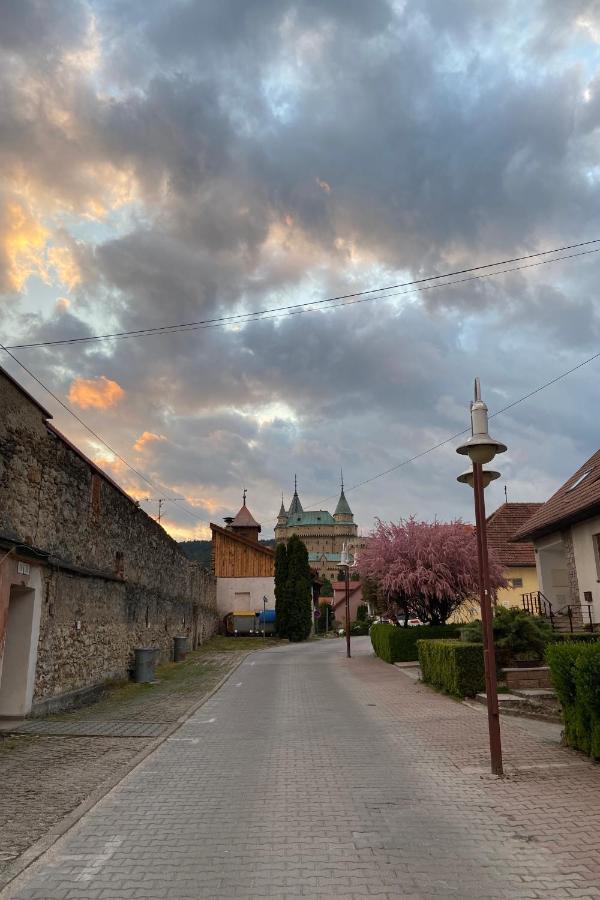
(532, 703)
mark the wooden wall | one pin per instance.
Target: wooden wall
(234, 559)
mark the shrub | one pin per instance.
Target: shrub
(395, 644)
(452, 666)
(362, 612)
(575, 669)
(359, 627)
(586, 637)
(517, 634)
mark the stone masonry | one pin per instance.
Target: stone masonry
(112, 579)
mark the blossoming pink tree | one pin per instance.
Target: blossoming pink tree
(426, 569)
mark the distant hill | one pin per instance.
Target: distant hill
(199, 551)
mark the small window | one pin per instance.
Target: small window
(596, 540)
(96, 490)
(516, 582)
(578, 481)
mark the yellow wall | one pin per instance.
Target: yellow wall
(512, 596)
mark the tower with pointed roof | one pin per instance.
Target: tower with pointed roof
(244, 524)
(323, 533)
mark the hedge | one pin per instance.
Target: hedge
(455, 667)
(575, 670)
(393, 643)
(586, 637)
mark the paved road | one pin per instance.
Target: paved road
(308, 775)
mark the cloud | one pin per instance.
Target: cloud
(95, 393)
(182, 164)
(147, 437)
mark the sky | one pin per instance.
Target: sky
(173, 162)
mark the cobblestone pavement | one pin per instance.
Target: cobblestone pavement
(59, 761)
(309, 775)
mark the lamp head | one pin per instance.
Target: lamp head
(481, 447)
(487, 475)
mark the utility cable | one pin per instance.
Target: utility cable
(91, 430)
(364, 296)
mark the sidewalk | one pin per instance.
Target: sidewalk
(62, 760)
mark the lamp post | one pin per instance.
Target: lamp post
(264, 616)
(481, 449)
(345, 563)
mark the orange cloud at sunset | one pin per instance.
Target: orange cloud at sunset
(145, 438)
(24, 240)
(95, 393)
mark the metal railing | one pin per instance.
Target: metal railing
(537, 604)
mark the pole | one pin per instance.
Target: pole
(489, 657)
(264, 617)
(348, 611)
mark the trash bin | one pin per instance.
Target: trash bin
(179, 648)
(145, 659)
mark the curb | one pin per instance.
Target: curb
(43, 844)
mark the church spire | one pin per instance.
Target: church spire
(343, 513)
(295, 506)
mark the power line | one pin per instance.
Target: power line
(342, 300)
(453, 437)
(91, 430)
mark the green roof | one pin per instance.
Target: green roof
(315, 556)
(311, 517)
(343, 507)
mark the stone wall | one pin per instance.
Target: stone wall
(113, 579)
(574, 596)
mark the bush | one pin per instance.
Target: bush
(359, 627)
(575, 669)
(395, 644)
(517, 634)
(452, 666)
(586, 637)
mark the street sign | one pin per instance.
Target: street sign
(317, 613)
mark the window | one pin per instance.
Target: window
(516, 582)
(96, 488)
(596, 540)
(578, 481)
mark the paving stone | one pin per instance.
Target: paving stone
(313, 775)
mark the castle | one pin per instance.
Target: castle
(324, 534)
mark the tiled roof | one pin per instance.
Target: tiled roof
(245, 519)
(501, 527)
(577, 499)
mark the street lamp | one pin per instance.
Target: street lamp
(481, 448)
(345, 563)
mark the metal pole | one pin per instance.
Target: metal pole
(489, 657)
(348, 611)
(264, 617)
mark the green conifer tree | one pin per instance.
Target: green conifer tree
(299, 597)
(281, 590)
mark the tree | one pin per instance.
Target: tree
(326, 587)
(361, 613)
(426, 569)
(281, 590)
(298, 614)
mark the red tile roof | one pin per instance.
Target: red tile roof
(501, 527)
(577, 499)
(245, 519)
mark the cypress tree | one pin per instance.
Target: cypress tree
(299, 598)
(281, 590)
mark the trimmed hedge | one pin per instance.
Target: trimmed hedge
(587, 637)
(393, 643)
(575, 670)
(452, 666)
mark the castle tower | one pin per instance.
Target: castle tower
(282, 515)
(343, 514)
(244, 524)
(295, 505)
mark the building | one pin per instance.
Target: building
(518, 560)
(86, 576)
(565, 532)
(338, 604)
(244, 568)
(323, 534)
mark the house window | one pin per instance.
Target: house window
(516, 582)
(596, 540)
(96, 488)
(578, 481)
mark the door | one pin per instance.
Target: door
(18, 662)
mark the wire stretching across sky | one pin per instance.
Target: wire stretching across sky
(416, 286)
(94, 433)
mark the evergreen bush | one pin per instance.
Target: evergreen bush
(395, 644)
(575, 670)
(517, 634)
(452, 666)
(281, 590)
(298, 592)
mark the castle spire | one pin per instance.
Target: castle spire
(295, 506)
(343, 513)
